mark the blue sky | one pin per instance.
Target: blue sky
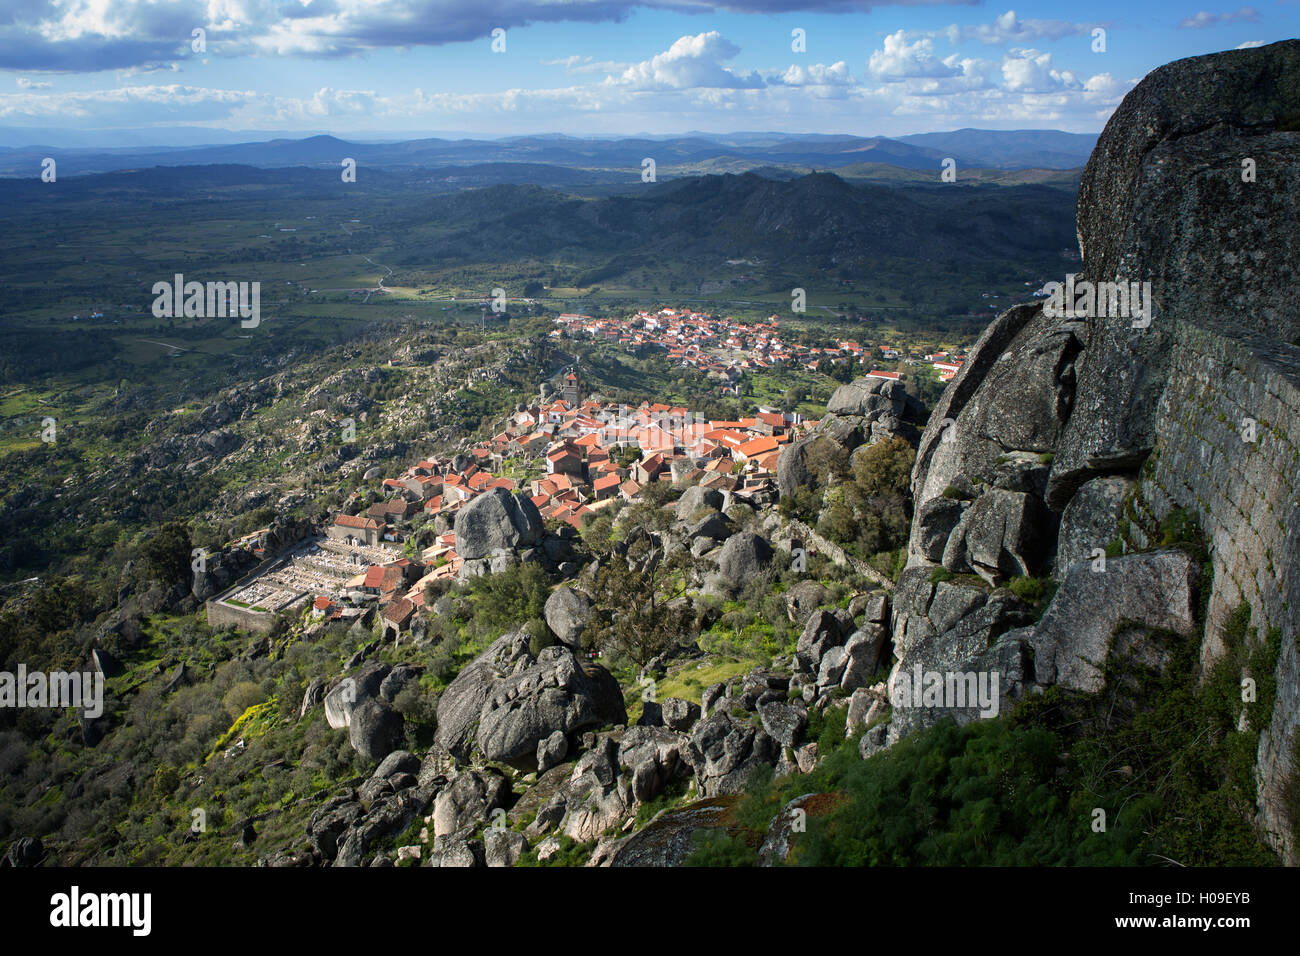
(594, 67)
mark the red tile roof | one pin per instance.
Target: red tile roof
(398, 612)
(357, 521)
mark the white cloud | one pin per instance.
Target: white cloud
(128, 103)
(146, 68)
(692, 82)
(1028, 71)
(92, 35)
(1009, 28)
(1250, 44)
(819, 74)
(586, 64)
(692, 62)
(1206, 19)
(1104, 87)
(900, 60)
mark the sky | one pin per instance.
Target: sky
(596, 67)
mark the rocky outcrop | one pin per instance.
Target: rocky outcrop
(24, 852)
(557, 693)
(220, 571)
(867, 410)
(596, 797)
(1155, 591)
(670, 838)
(803, 598)
(868, 398)
(653, 757)
(726, 750)
(1163, 199)
(551, 751)
(695, 497)
(678, 714)
(1090, 521)
(467, 802)
(1063, 439)
(505, 702)
(353, 691)
(796, 467)
(461, 703)
(313, 695)
(375, 730)
(503, 847)
(954, 628)
(833, 653)
(1000, 536)
(341, 831)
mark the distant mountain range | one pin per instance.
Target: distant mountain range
(674, 156)
(1011, 149)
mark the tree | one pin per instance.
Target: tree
(165, 781)
(885, 467)
(240, 697)
(167, 555)
(878, 495)
(510, 597)
(824, 457)
(841, 372)
(844, 373)
(640, 615)
(598, 529)
(794, 395)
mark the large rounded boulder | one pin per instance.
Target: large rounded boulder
(744, 555)
(559, 693)
(376, 730)
(462, 702)
(496, 521)
(567, 613)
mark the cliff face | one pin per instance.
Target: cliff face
(1064, 437)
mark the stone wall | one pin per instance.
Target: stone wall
(1244, 494)
(837, 555)
(220, 613)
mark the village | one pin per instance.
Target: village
(726, 348)
(572, 455)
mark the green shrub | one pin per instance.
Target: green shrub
(717, 847)
(165, 781)
(570, 854)
(1036, 591)
(242, 696)
(1158, 751)
(539, 635)
(826, 727)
